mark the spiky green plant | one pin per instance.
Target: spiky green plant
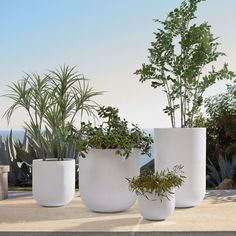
(227, 170)
(18, 155)
(55, 103)
(159, 183)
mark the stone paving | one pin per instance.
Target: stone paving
(21, 214)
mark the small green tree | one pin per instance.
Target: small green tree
(181, 52)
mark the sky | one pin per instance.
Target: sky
(107, 40)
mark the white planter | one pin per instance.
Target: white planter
(4, 169)
(102, 183)
(53, 181)
(155, 209)
(185, 146)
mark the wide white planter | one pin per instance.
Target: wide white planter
(102, 183)
(155, 209)
(185, 146)
(53, 181)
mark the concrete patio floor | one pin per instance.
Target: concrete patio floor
(21, 215)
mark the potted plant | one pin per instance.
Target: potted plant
(156, 192)
(53, 103)
(112, 155)
(179, 58)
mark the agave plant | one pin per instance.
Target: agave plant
(18, 155)
(226, 170)
(54, 103)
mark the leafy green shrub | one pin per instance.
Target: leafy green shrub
(161, 184)
(114, 133)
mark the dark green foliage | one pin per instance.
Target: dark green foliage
(226, 170)
(220, 122)
(180, 53)
(53, 102)
(18, 155)
(114, 133)
(160, 184)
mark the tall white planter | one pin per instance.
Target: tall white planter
(53, 181)
(102, 183)
(185, 146)
(152, 208)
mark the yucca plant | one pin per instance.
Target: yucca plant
(55, 104)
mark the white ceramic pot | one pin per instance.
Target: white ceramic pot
(185, 146)
(102, 183)
(155, 209)
(53, 181)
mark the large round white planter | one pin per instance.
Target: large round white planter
(53, 181)
(185, 146)
(102, 183)
(152, 208)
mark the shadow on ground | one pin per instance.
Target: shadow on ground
(222, 196)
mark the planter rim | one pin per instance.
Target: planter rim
(109, 149)
(179, 128)
(156, 195)
(4, 168)
(52, 160)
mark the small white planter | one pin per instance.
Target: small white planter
(4, 169)
(185, 146)
(155, 209)
(53, 181)
(102, 183)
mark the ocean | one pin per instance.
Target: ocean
(19, 135)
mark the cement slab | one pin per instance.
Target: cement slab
(22, 215)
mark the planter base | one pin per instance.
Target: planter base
(155, 209)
